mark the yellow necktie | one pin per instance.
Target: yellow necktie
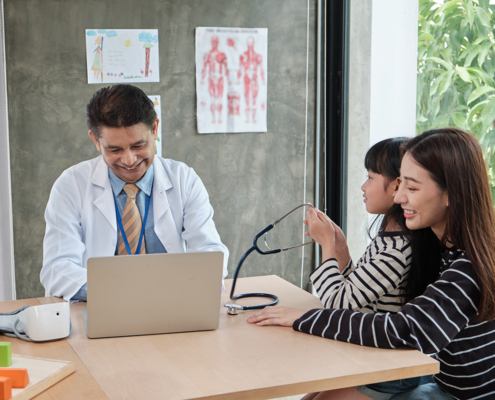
(131, 221)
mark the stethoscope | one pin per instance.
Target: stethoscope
(233, 309)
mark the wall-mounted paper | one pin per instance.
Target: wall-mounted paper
(158, 108)
(231, 80)
(122, 55)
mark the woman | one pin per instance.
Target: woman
(444, 188)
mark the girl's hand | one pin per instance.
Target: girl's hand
(322, 230)
(321, 227)
(340, 249)
(282, 316)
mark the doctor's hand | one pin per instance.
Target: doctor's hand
(282, 316)
(322, 230)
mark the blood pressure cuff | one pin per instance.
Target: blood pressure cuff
(7, 320)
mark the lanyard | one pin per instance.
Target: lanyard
(121, 227)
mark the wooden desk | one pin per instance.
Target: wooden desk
(237, 361)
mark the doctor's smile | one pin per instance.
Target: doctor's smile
(131, 168)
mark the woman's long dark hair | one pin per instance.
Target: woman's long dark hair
(454, 160)
(385, 158)
(425, 263)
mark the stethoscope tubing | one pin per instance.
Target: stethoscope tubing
(234, 281)
(243, 258)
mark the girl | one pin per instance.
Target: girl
(444, 188)
(377, 283)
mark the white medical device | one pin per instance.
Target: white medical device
(38, 323)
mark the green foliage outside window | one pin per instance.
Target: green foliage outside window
(456, 70)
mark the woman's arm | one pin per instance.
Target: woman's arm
(428, 323)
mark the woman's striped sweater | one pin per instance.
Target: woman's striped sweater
(441, 321)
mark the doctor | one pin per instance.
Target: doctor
(98, 208)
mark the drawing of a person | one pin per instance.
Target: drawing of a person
(251, 65)
(215, 65)
(98, 61)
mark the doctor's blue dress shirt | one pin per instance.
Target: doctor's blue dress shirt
(152, 243)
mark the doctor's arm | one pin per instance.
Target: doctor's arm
(62, 274)
(199, 230)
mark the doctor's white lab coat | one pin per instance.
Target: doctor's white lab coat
(81, 221)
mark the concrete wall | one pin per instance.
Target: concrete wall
(252, 178)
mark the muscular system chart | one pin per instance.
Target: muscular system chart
(231, 80)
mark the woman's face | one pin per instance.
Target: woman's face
(424, 203)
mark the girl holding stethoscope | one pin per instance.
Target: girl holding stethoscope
(444, 190)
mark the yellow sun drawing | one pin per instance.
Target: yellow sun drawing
(127, 43)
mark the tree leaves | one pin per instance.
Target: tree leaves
(441, 62)
(470, 53)
(463, 73)
(468, 4)
(425, 36)
(456, 70)
(482, 75)
(446, 82)
(480, 92)
(483, 52)
(483, 16)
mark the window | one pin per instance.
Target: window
(456, 70)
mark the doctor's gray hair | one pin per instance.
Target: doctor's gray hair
(119, 106)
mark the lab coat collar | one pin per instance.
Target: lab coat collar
(165, 226)
(161, 183)
(105, 202)
(99, 176)
(162, 180)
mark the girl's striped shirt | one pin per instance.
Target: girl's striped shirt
(375, 284)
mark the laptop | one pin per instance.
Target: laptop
(153, 293)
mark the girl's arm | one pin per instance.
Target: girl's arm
(378, 276)
(329, 236)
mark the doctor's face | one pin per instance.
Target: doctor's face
(129, 151)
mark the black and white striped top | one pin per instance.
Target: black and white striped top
(441, 321)
(375, 285)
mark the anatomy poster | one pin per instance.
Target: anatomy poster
(231, 79)
(158, 108)
(122, 55)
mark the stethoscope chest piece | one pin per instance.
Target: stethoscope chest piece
(233, 309)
